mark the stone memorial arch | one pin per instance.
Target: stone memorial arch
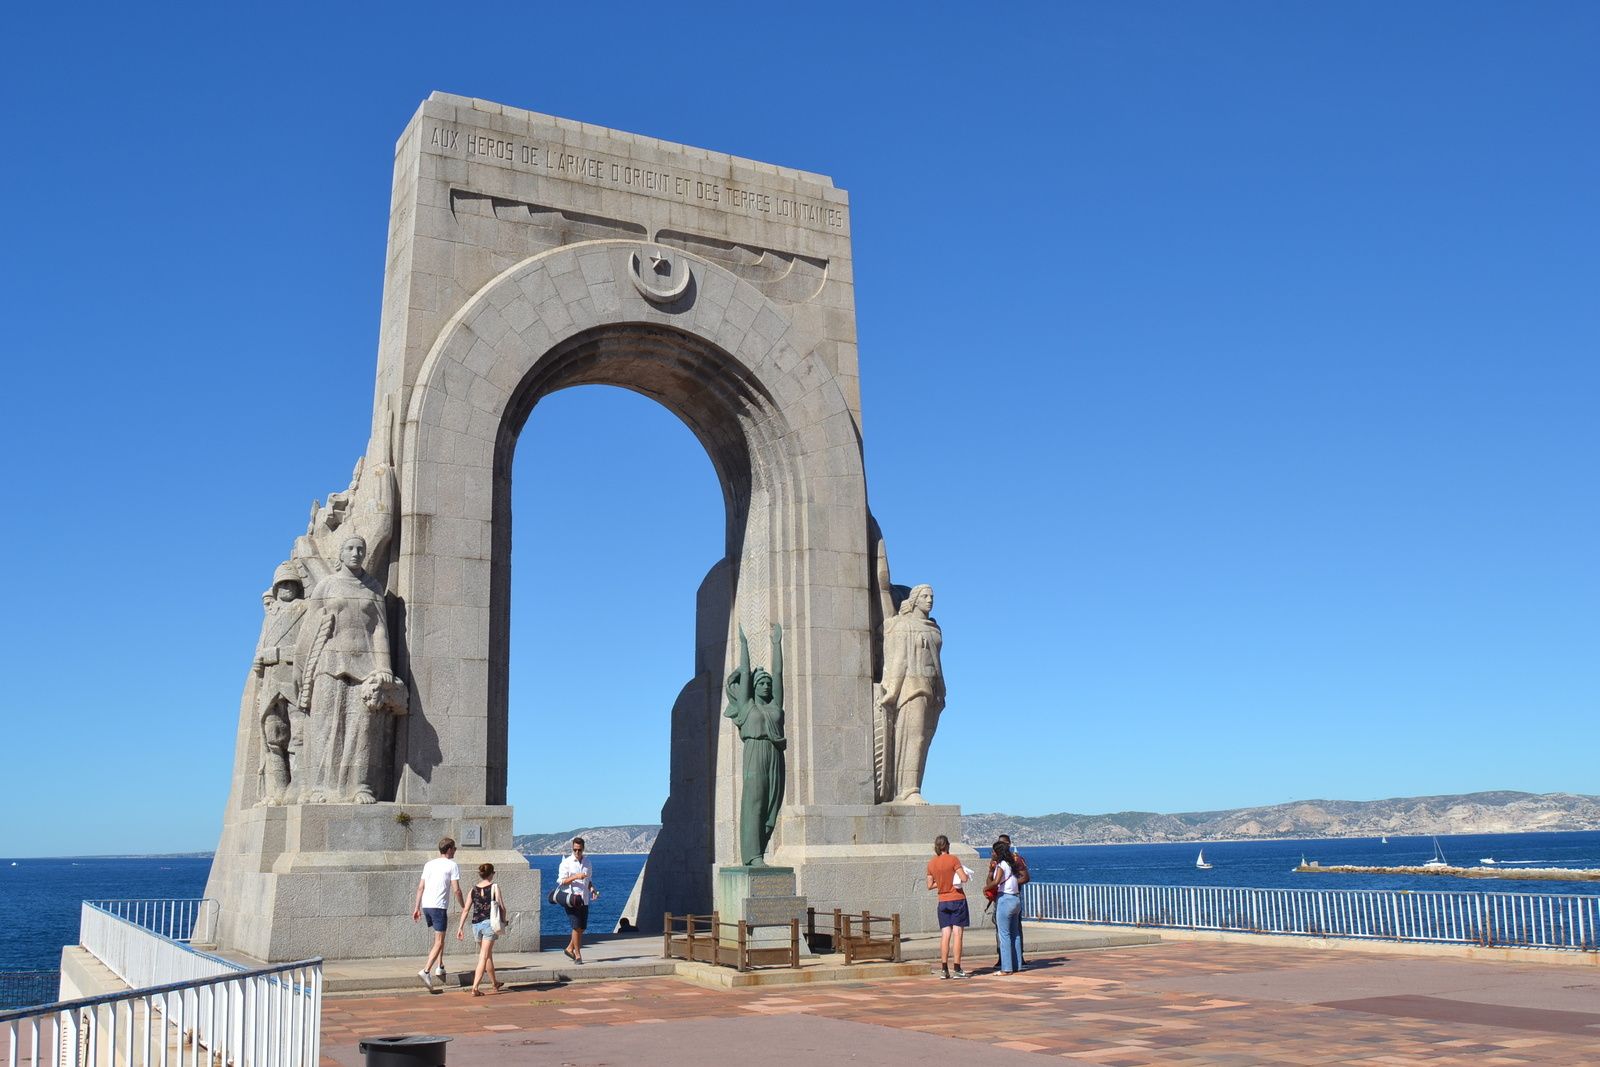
(529, 254)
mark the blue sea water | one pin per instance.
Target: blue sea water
(39, 898)
(1270, 864)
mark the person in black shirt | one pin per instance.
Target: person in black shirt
(485, 895)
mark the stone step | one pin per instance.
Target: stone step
(828, 969)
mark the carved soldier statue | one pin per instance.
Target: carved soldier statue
(278, 685)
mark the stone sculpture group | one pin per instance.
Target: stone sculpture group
(325, 688)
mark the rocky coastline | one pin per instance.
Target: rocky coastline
(1498, 812)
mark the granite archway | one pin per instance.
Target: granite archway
(529, 254)
(780, 436)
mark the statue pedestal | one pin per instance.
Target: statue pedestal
(763, 895)
(339, 880)
(870, 857)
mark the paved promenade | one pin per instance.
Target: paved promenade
(1170, 1003)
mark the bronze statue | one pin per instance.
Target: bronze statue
(755, 704)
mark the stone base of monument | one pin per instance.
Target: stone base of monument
(872, 857)
(764, 897)
(339, 880)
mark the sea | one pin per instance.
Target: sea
(39, 898)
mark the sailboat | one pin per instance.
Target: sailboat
(1200, 861)
(1438, 856)
(1383, 839)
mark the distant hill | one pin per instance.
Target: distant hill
(1500, 812)
(597, 840)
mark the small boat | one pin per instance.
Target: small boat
(1200, 861)
(1383, 839)
(1488, 861)
(1438, 859)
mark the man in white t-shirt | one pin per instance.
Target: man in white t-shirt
(440, 876)
(575, 884)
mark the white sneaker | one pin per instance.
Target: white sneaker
(442, 975)
(427, 979)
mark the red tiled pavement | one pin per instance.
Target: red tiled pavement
(1174, 1003)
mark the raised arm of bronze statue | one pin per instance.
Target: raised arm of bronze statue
(777, 684)
(746, 675)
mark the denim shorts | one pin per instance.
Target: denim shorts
(483, 932)
(436, 919)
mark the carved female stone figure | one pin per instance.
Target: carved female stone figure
(346, 684)
(911, 695)
(755, 704)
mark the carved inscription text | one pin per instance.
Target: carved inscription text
(714, 193)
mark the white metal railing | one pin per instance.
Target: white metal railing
(141, 956)
(181, 1000)
(270, 1017)
(192, 921)
(1522, 920)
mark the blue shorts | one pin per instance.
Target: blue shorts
(482, 931)
(954, 913)
(436, 919)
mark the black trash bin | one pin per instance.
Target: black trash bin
(406, 1050)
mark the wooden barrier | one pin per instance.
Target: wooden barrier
(853, 935)
(707, 939)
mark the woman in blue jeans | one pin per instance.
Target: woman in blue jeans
(1007, 907)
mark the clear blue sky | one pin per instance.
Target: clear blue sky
(1230, 370)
